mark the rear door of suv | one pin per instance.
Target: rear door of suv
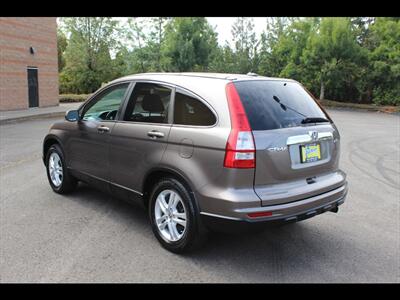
(297, 147)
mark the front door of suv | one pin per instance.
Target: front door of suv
(140, 136)
(88, 146)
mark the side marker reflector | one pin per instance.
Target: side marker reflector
(260, 214)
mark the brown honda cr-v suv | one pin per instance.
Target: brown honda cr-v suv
(197, 149)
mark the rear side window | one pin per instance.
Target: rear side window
(190, 111)
(262, 102)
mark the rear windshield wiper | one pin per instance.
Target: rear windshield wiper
(314, 120)
(285, 106)
(306, 119)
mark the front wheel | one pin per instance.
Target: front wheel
(174, 218)
(59, 178)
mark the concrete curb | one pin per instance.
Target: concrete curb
(32, 117)
(8, 117)
(344, 108)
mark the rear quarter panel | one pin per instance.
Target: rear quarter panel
(198, 153)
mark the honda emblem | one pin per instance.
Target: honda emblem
(313, 135)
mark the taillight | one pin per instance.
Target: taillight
(240, 150)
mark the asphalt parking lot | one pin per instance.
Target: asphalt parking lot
(90, 237)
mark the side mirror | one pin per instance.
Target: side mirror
(72, 115)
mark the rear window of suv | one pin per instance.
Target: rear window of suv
(276, 104)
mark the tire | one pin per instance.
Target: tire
(194, 233)
(67, 182)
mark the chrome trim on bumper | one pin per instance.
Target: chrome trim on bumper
(307, 138)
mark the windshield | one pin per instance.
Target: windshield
(276, 104)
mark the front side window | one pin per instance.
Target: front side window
(148, 103)
(190, 111)
(106, 106)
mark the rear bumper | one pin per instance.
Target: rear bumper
(288, 212)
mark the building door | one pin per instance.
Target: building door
(33, 87)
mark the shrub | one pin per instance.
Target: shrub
(387, 96)
(67, 98)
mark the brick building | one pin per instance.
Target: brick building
(28, 63)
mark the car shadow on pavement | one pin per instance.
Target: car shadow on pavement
(263, 256)
(103, 203)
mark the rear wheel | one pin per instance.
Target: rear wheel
(57, 173)
(174, 218)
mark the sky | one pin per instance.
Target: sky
(224, 27)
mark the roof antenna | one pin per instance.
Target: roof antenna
(252, 74)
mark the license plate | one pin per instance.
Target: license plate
(310, 153)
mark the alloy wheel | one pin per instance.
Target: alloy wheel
(170, 215)
(55, 169)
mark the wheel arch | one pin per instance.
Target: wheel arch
(155, 174)
(48, 142)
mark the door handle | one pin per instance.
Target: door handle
(155, 134)
(102, 129)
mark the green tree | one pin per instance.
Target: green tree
(87, 55)
(155, 41)
(273, 51)
(384, 61)
(139, 55)
(148, 38)
(282, 47)
(345, 59)
(333, 55)
(245, 45)
(223, 60)
(61, 46)
(291, 48)
(121, 64)
(189, 45)
(361, 26)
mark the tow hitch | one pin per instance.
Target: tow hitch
(335, 209)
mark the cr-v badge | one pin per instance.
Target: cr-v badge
(277, 149)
